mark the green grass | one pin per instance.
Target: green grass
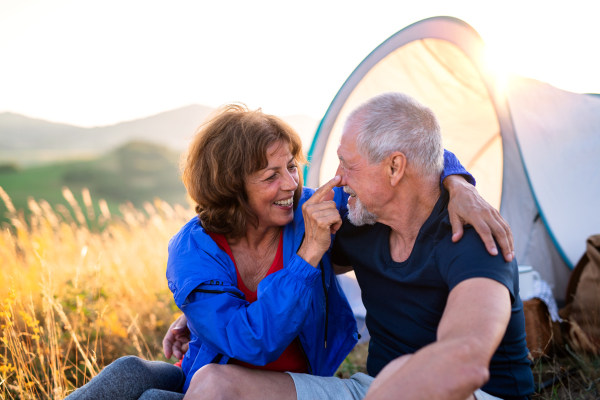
(136, 172)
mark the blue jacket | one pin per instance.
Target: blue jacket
(299, 301)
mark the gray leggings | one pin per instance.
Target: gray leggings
(131, 378)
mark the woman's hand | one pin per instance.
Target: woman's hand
(177, 338)
(321, 220)
(466, 206)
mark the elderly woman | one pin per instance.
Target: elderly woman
(252, 272)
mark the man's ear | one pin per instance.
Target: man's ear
(396, 167)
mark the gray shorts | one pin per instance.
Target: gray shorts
(310, 387)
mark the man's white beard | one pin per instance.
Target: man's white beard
(358, 215)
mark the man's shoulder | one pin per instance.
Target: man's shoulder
(470, 245)
(469, 258)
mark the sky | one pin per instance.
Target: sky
(91, 63)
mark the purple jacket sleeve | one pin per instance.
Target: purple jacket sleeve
(453, 167)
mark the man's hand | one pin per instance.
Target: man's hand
(321, 220)
(466, 206)
(177, 338)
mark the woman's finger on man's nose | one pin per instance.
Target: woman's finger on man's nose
(325, 190)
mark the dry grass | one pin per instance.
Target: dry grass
(78, 290)
(568, 376)
(355, 362)
(73, 297)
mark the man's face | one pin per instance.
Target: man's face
(361, 180)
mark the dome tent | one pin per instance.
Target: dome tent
(532, 148)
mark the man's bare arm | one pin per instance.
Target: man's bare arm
(457, 364)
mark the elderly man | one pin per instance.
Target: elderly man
(445, 318)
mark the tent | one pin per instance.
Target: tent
(534, 149)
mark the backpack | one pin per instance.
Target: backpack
(582, 303)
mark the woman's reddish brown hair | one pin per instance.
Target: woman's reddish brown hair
(229, 147)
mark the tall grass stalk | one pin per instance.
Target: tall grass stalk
(77, 293)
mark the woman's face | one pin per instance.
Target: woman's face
(271, 190)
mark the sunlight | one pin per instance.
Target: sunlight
(498, 66)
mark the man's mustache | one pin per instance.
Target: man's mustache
(349, 191)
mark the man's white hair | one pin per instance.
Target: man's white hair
(397, 122)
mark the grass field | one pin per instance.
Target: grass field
(136, 172)
(76, 295)
(73, 298)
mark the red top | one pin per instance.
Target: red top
(291, 359)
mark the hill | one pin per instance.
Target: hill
(136, 172)
(28, 141)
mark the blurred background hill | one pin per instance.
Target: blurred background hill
(27, 141)
(133, 161)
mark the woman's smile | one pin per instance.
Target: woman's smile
(285, 204)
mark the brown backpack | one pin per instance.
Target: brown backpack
(582, 303)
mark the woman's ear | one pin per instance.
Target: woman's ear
(396, 167)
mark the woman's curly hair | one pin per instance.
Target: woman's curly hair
(226, 149)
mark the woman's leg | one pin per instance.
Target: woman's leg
(216, 382)
(128, 378)
(156, 394)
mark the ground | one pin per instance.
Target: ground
(575, 376)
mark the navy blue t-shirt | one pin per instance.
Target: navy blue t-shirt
(405, 301)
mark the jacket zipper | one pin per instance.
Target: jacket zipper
(310, 371)
(324, 291)
(326, 301)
